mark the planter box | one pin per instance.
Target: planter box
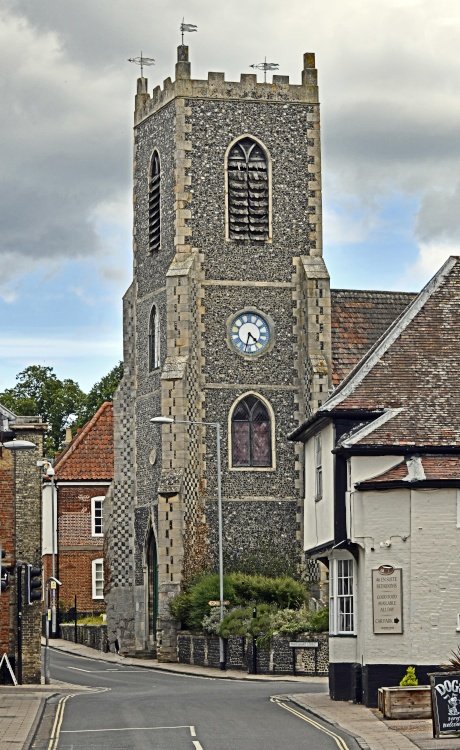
(405, 702)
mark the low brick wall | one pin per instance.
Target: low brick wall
(277, 659)
(94, 636)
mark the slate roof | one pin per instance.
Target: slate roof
(413, 369)
(434, 467)
(358, 319)
(90, 454)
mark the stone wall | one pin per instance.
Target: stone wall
(94, 636)
(278, 658)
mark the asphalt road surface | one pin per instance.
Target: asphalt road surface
(128, 708)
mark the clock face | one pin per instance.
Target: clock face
(250, 333)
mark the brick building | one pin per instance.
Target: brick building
(83, 473)
(382, 498)
(20, 527)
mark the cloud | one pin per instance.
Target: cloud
(58, 147)
(432, 255)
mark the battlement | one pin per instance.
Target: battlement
(216, 87)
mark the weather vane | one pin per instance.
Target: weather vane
(187, 27)
(142, 61)
(265, 66)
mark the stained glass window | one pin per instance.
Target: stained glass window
(251, 433)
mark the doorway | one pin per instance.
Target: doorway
(152, 588)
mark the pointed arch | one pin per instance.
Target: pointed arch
(154, 338)
(248, 190)
(155, 203)
(151, 553)
(252, 431)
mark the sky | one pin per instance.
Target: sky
(389, 73)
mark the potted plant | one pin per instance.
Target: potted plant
(409, 700)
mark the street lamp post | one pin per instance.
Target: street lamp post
(216, 426)
(47, 464)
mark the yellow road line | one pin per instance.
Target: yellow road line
(340, 742)
(54, 739)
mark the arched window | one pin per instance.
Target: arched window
(154, 339)
(154, 203)
(251, 433)
(248, 193)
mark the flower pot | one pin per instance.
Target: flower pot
(405, 702)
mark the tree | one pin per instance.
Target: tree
(39, 391)
(101, 391)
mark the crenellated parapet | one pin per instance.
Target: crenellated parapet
(216, 87)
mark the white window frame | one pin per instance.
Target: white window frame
(342, 595)
(97, 590)
(318, 468)
(94, 500)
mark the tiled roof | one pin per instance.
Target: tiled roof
(90, 454)
(433, 467)
(413, 368)
(358, 319)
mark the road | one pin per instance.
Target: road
(129, 708)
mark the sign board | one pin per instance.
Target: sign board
(445, 700)
(216, 603)
(303, 644)
(387, 599)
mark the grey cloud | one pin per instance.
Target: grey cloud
(439, 216)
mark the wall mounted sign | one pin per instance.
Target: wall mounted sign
(445, 700)
(387, 599)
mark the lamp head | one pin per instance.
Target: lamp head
(19, 445)
(162, 420)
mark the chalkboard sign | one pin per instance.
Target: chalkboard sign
(445, 700)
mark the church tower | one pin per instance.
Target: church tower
(227, 321)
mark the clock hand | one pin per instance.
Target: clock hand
(247, 341)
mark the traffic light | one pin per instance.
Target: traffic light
(4, 576)
(33, 583)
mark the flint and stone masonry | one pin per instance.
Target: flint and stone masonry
(162, 509)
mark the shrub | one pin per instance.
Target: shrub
(179, 606)
(240, 589)
(243, 621)
(269, 620)
(410, 678)
(319, 621)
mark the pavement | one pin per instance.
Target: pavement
(22, 707)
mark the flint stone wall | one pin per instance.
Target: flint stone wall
(203, 651)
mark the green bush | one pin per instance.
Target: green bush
(240, 589)
(243, 621)
(318, 622)
(268, 620)
(179, 606)
(410, 678)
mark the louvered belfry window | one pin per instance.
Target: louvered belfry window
(154, 204)
(247, 172)
(251, 434)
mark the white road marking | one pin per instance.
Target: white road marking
(340, 742)
(102, 671)
(197, 745)
(192, 731)
(122, 729)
